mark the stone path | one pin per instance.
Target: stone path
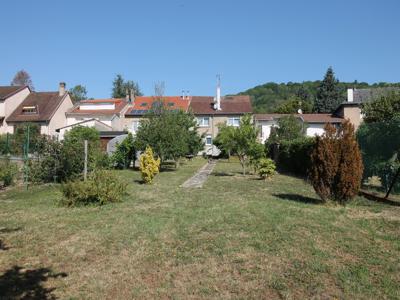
(198, 179)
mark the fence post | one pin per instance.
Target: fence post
(86, 160)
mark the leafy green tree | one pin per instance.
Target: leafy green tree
(121, 87)
(171, 134)
(72, 151)
(290, 128)
(293, 105)
(125, 153)
(78, 93)
(329, 95)
(245, 136)
(224, 140)
(384, 109)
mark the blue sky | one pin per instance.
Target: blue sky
(186, 43)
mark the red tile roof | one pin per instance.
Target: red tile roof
(142, 104)
(309, 118)
(229, 105)
(120, 104)
(45, 103)
(8, 91)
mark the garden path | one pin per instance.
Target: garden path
(198, 179)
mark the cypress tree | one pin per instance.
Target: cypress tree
(328, 93)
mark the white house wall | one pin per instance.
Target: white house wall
(59, 118)
(315, 129)
(8, 106)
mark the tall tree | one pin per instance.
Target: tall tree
(22, 78)
(78, 93)
(122, 87)
(328, 93)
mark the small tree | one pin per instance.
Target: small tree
(23, 78)
(290, 128)
(149, 166)
(125, 153)
(266, 168)
(245, 136)
(292, 106)
(336, 165)
(225, 139)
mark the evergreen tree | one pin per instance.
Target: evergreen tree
(121, 87)
(328, 93)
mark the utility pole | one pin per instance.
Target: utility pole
(86, 160)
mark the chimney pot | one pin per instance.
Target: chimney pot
(61, 88)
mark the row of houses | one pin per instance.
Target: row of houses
(56, 113)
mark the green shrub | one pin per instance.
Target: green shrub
(266, 168)
(8, 172)
(125, 153)
(294, 156)
(100, 188)
(149, 166)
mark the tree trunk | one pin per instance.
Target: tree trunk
(392, 184)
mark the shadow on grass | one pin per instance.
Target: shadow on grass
(221, 174)
(7, 230)
(17, 283)
(298, 198)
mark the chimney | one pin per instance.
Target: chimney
(218, 98)
(61, 89)
(127, 97)
(350, 95)
(132, 96)
(187, 94)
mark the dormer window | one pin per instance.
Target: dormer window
(143, 104)
(170, 104)
(29, 110)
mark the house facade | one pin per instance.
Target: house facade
(108, 111)
(141, 105)
(313, 123)
(10, 98)
(47, 109)
(212, 112)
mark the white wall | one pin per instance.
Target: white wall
(315, 129)
(8, 106)
(71, 120)
(59, 118)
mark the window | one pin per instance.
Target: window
(171, 104)
(29, 110)
(135, 125)
(235, 121)
(203, 121)
(208, 140)
(143, 104)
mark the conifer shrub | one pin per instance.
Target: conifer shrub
(101, 187)
(336, 164)
(266, 168)
(149, 166)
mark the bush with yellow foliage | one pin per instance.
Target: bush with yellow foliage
(149, 166)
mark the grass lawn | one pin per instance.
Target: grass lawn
(237, 237)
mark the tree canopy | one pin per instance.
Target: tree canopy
(328, 93)
(268, 97)
(171, 134)
(78, 93)
(121, 87)
(22, 77)
(383, 109)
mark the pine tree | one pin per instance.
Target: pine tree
(328, 94)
